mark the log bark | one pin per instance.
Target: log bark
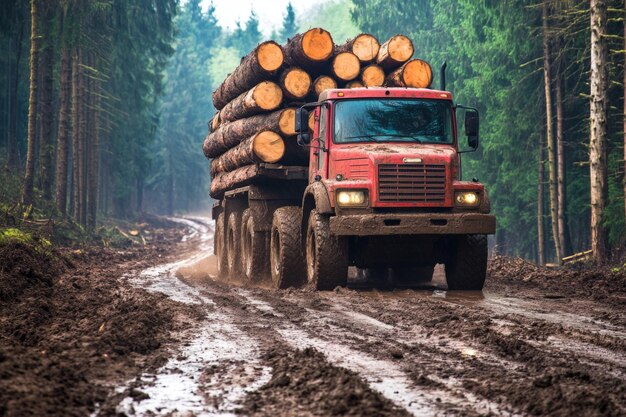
(231, 134)
(265, 96)
(321, 84)
(364, 46)
(414, 74)
(355, 84)
(229, 180)
(345, 66)
(261, 64)
(265, 146)
(395, 52)
(372, 76)
(295, 83)
(309, 50)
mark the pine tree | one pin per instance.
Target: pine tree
(289, 27)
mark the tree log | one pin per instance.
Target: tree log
(295, 83)
(309, 50)
(265, 146)
(322, 83)
(415, 73)
(395, 52)
(364, 46)
(265, 96)
(259, 65)
(231, 134)
(229, 180)
(345, 66)
(215, 122)
(355, 84)
(372, 76)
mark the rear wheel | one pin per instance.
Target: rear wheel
(410, 277)
(326, 255)
(220, 246)
(253, 249)
(233, 242)
(286, 258)
(467, 268)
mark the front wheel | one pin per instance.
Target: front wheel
(467, 267)
(326, 255)
(253, 249)
(286, 259)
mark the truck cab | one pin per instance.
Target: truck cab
(384, 190)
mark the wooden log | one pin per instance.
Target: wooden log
(364, 46)
(230, 180)
(259, 65)
(295, 83)
(345, 66)
(355, 84)
(265, 96)
(309, 50)
(322, 83)
(215, 122)
(372, 76)
(265, 146)
(231, 134)
(311, 121)
(415, 73)
(395, 52)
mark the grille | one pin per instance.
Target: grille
(419, 183)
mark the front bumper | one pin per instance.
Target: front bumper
(413, 224)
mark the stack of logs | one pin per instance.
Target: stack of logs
(255, 121)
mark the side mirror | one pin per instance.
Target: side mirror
(472, 128)
(302, 126)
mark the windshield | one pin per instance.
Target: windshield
(393, 120)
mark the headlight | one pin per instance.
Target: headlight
(351, 198)
(466, 198)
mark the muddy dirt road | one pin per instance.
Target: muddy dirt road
(518, 348)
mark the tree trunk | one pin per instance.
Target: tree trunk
(46, 145)
(372, 76)
(541, 240)
(259, 65)
(321, 84)
(13, 148)
(231, 134)
(624, 70)
(76, 139)
(309, 50)
(94, 153)
(345, 66)
(29, 177)
(364, 46)
(415, 74)
(598, 127)
(63, 132)
(234, 179)
(295, 83)
(265, 96)
(265, 146)
(549, 134)
(395, 52)
(561, 179)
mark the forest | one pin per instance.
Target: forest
(104, 103)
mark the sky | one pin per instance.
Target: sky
(269, 12)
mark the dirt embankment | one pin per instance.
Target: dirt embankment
(69, 327)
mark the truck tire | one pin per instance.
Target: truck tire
(233, 243)
(286, 258)
(220, 248)
(412, 277)
(326, 255)
(467, 268)
(253, 250)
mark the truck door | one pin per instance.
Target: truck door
(319, 143)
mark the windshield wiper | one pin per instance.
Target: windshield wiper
(373, 137)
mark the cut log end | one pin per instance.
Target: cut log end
(267, 95)
(365, 47)
(373, 76)
(317, 44)
(287, 122)
(268, 146)
(323, 83)
(296, 83)
(270, 56)
(215, 121)
(400, 48)
(346, 66)
(311, 121)
(355, 84)
(417, 74)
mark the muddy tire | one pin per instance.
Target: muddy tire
(326, 255)
(254, 253)
(286, 258)
(467, 268)
(412, 277)
(233, 243)
(221, 251)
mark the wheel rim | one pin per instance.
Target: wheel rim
(311, 255)
(275, 257)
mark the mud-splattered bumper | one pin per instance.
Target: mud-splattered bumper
(413, 224)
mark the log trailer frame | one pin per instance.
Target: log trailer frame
(392, 209)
